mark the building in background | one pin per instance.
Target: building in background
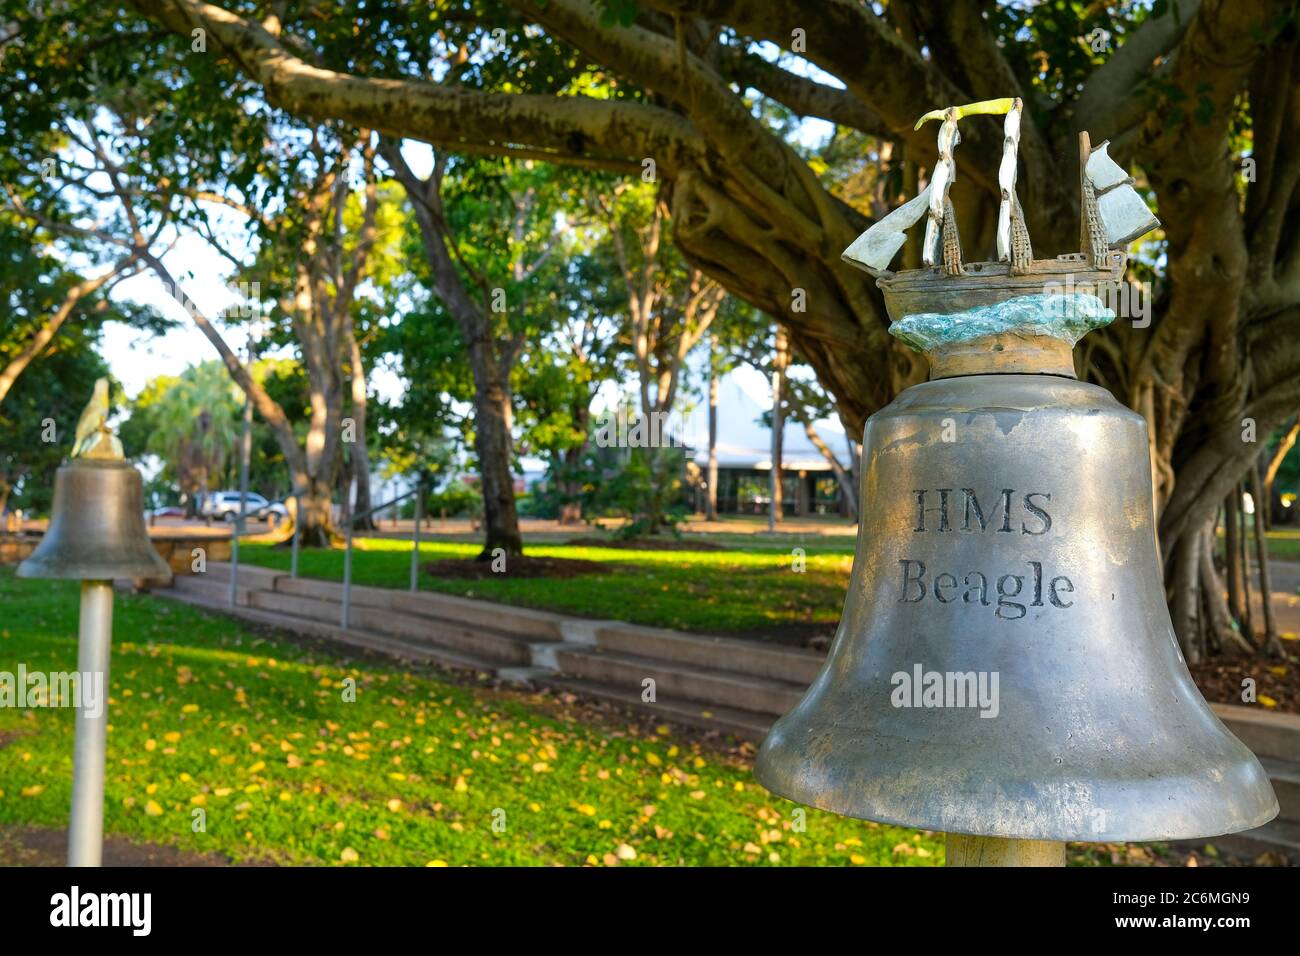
(744, 450)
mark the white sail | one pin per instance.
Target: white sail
(875, 249)
(1124, 215)
(1007, 181)
(945, 171)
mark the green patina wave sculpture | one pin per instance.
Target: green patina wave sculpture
(1065, 316)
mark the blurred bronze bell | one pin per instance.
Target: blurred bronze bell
(1005, 665)
(97, 530)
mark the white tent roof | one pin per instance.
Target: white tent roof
(744, 442)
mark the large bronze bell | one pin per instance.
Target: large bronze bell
(97, 530)
(1006, 665)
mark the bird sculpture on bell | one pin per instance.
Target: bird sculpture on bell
(1005, 669)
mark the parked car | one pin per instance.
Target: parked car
(225, 505)
(278, 509)
(169, 511)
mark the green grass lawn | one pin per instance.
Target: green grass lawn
(255, 732)
(754, 592)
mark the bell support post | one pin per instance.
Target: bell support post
(90, 742)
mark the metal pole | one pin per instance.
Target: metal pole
(94, 638)
(347, 580)
(245, 451)
(415, 540)
(297, 532)
(963, 850)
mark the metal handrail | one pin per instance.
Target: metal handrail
(297, 527)
(347, 554)
(415, 547)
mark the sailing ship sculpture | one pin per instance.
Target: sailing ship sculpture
(1112, 215)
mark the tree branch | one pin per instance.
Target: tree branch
(1109, 92)
(51, 327)
(564, 128)
(806, 97)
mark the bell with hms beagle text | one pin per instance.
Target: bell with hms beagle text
(1005, 669)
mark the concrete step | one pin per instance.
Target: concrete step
(250, 575)
(679, 682)
(1267, 733)
(792, 665)
(1278, 836)
(478, 642)
(525, 622)
(725, 720)
(397, 648)
(211, 588)
(1285, 777)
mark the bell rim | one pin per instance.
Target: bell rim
(144, 570)
(1129, 826)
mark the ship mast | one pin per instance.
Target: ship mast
(941, 224)
(1013, 236)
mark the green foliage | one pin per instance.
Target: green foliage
(191, 422)
(518, 263)
(645, 490)
(456, 500)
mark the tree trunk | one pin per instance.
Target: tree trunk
(1270, 643)
(843, 476)
(1247, 612)
(778, 428)
(317, 502)
(493, 442)
(711, 507)
(1232, 555)
(1223, 632)
(1186, 599)
(359, 451)
(570, 485)
(494, 446)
